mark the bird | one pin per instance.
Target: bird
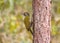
(27, 22)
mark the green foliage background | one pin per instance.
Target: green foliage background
(12, 20)
(55, 21)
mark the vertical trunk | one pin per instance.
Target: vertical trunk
(41, 18)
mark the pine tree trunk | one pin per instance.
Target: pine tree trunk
(41, 18)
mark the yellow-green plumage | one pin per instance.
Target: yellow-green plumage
(27, 22)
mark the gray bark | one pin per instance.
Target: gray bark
(41, 18)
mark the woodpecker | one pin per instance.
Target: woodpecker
(27, 22)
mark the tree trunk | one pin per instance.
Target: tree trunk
(41, 18)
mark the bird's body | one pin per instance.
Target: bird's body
(27, 22)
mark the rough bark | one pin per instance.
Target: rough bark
(41, 18)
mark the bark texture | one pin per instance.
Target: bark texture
(41, 18)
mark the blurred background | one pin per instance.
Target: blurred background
(12, 27)
(55, 21)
